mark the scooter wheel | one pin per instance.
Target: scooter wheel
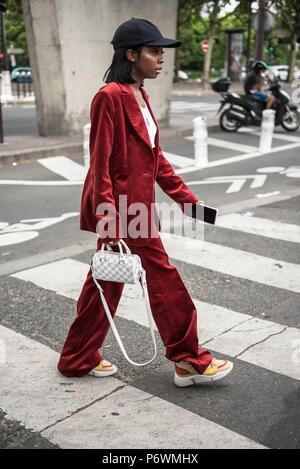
(290, 120)
(228, 124)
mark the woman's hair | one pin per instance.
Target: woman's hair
(121, 68)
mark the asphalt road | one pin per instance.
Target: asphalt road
(242, 277)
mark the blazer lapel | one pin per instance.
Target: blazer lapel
(135, 114)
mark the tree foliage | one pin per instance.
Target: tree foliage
(193, 27)
(195, 22)
(15, 30)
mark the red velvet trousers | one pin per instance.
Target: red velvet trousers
(172, 307)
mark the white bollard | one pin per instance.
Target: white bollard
(86, 145)
(266, 131)
(6, 91)
(200, 141)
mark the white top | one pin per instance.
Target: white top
(150, 124)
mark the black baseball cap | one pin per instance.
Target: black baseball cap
(138, 32)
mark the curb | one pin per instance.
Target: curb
(12, 156)
(40, 152)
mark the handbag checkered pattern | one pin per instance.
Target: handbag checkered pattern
(111, 266)
(126, 268)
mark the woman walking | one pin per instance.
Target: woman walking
(125, 162)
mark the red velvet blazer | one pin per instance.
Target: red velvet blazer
(123, 162)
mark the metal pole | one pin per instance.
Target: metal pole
(1, 120)
(228, 53)
(4, 45)
(260, 34)
(249, 35)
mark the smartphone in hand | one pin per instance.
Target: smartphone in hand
(202, 212)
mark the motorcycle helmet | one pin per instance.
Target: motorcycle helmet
(259, 65)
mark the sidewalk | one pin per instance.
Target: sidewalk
(16, 148)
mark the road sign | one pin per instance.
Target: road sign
(205, 45)
(269, 20)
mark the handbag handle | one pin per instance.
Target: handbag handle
(150, 319)
(120, 243)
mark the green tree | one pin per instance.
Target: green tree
(15, 30)
(187, 18)
(289, 11)
(198, 20)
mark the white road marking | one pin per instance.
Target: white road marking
(270, 169)
(217, 142)
(72, 412)
(231, 145)
(234, 262)
(8, 239)
(220, 329)
(285, 344)
(65, 167)
(26, 229)
(37, 223)
(177, 160)
(151, 417)
(63, 277)
(237, 182)
(260, 226)
(32, 390)
(247, 130)
(180, 107)
(262, 343)
(235, 159)
(292, 172)
(276, 135)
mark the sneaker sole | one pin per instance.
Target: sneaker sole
(102, 374)
(200, 379)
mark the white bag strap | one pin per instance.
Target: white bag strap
(120, 243)
(148, 308)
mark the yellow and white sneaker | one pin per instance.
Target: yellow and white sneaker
(105, 368)
(186, 375)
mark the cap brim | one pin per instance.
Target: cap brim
(164, 43)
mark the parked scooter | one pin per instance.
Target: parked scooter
(243, 110)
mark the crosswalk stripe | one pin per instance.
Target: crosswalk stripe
(186, 106)
(233, 262)
(64, 277)
(260, 226)
(155, 421)
(32, 391)
(223, 330)
(73, 413)
(65, 167)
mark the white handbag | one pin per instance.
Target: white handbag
(125, 268)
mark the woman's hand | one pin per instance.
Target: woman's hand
(113, 243)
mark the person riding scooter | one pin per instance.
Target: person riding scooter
(254, 82)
